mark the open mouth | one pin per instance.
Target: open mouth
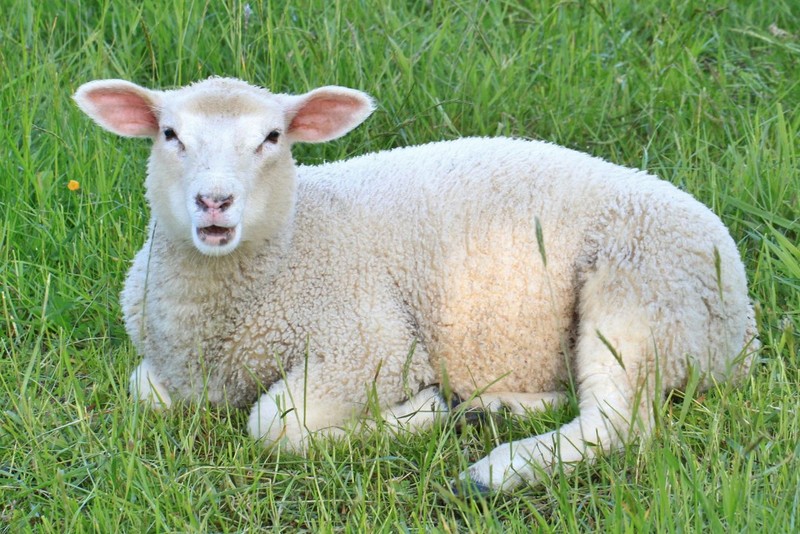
(216, 235)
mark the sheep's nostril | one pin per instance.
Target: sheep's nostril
(211, 202)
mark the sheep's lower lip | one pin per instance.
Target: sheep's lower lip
(216, 235)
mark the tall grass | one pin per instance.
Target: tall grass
(704, 94)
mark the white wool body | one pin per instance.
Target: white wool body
(500, 269)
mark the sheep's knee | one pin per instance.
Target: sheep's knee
(146, 387)
(274, 419)
(264, 424)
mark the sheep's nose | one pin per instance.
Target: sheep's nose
(213, 202)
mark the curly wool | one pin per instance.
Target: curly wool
(499, 268)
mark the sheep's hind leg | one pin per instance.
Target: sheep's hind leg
(615, 389)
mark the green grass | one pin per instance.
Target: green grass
(702, 93)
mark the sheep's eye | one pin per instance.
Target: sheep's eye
(169, 134)
(272, 137)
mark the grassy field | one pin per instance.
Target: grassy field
(705, 94)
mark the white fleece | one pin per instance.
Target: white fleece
(495, 266)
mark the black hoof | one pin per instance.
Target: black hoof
(469, 488)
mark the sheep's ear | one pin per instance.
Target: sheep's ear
(120, 107)
(327, 113)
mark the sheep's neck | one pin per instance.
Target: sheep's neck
(251, 265)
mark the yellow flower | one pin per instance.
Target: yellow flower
(73, 185)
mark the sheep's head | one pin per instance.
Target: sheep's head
(221, 171)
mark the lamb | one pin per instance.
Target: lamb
(497, 269)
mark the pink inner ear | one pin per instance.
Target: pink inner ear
(125, 112)
(326, 117)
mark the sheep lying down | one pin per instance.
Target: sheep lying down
(498, 269)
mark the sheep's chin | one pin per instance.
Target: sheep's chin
(216, 240)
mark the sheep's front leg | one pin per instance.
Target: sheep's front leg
(517, 403)
(146, 387)
(286, 414)
(418, 412)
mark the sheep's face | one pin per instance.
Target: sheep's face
(217, 177)
(221, 171)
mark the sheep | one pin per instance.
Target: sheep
(498, 269)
